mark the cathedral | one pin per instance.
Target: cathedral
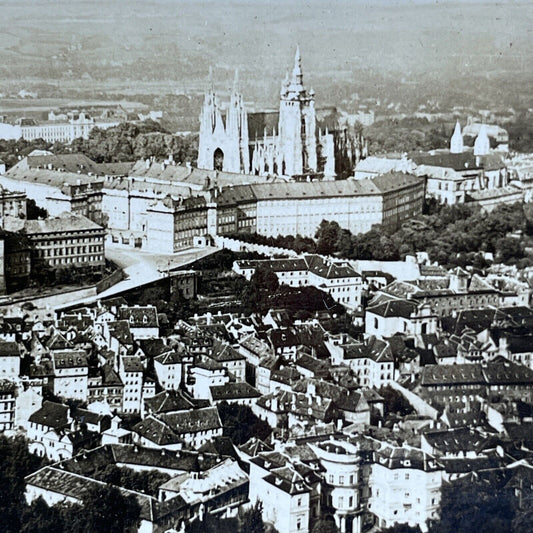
(292, 143)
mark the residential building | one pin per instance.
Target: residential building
(341, 462)
(71, 372)
(405, 484)
(9, 360)
(64, 241)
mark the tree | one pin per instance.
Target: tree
(40, 518)
(33, 211)
(240, 423)
(107, 509)
(15, 463)
(469, 502)
(325, 524)
(327, 235)
(252, 519)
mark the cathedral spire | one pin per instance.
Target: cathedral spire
(297, 70)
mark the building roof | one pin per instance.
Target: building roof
(51, 414)
(140, 316)
(462, 161)
(499, 372)
(156, 431)
(193, 421)
(168, 402)
(75, 486)
(406, 457)
(9, 349)
(70, 359)
(394, 308)
(233, 391)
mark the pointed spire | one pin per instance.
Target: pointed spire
(482, 142)
(456, 142)
(297, 70)
(211, 85)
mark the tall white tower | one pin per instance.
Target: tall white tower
(456, 142)
(482, 142)
(297, 125)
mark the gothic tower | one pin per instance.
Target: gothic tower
(456, 142)
(223, 144)
(297, 125)
(482, 142)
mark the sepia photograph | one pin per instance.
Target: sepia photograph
(266, 266)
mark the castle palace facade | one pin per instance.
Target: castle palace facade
(291, 143)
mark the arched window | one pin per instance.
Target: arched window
(218, 159)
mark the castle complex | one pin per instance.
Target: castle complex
(297, 147)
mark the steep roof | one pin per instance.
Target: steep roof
(193, 421)
(51, 414)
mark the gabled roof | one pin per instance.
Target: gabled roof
(394, 308)
(233, 391)
(169, 402)
(193, 421)
(140, 316)
(156, 431)
(51, 414)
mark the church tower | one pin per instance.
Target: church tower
(456, 142)
(482, 142)
(297, 125)
(223, 144)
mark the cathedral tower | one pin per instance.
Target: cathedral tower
(297, 125)
(482, 142)
(223, 144)
(456, 142)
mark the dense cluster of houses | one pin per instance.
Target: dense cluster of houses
(117, 384)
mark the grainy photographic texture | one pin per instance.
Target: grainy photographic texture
(266, 266)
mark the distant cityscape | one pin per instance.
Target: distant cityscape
(269, 323)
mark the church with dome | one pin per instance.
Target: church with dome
(298, 142)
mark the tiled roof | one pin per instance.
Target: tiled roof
(51, 414)
(156, 431)
(140, 316)
(394, 308)
(120, 329)
(132, 364)
(168, 402)
(63, 223)
(69, 359)
(233, 391)
(193, 421)
(405, 457)
(75, 486)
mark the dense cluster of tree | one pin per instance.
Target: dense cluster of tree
(263, 292)
(521, 133)
(125, 142)
(407, 135)
(146, 482)
(452, 235)
(130, 142)
(241, 424)
(395, 402)
(469, 502)
(103, 508)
